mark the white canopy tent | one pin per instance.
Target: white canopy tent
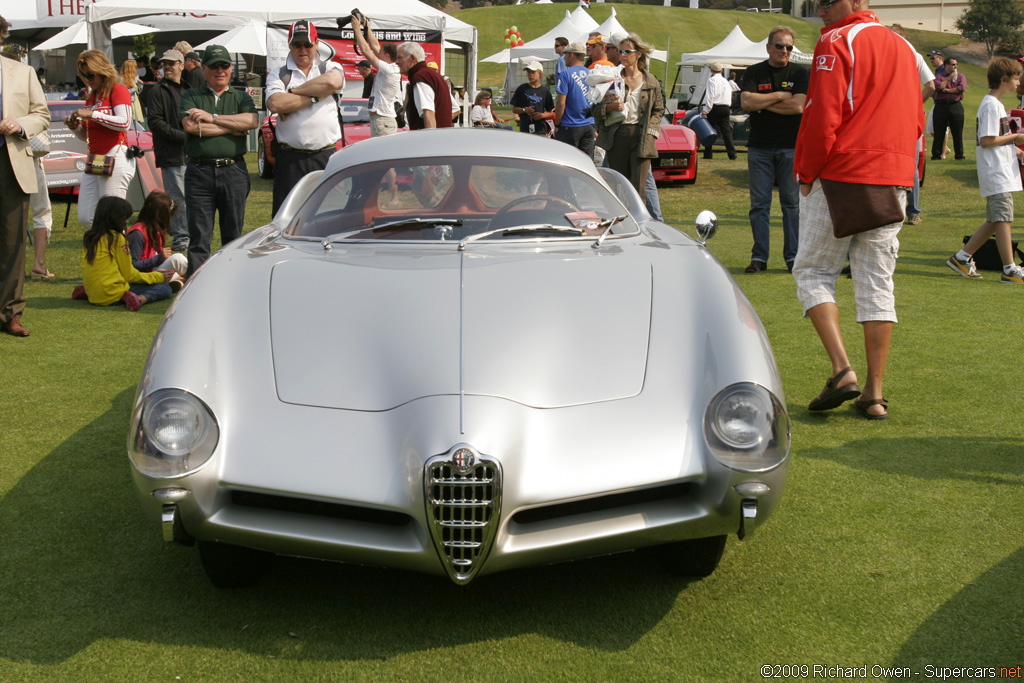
(736, 50)
(78, 34)
(611, 25)
(385, 15)
(250, 38)
(542, 48)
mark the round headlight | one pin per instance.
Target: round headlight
(173, 433)
(747, 428)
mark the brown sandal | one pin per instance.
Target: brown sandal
(832, 396)
(862, 408)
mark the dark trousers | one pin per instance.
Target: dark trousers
(948, 115)
(624, 156)
(13, 227)
(213, 191)
(580, 137)
(290, 166)
(719, 118)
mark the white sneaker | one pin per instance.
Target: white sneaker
(1015, 276)
(964, 268)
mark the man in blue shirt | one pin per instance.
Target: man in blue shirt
(560, 43)
(572, 109)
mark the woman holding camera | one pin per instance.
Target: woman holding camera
(103, 124)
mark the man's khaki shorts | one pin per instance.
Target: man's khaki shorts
(382, 125)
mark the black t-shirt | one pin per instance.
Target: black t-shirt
(368, 84)
(541, 101)
(768, 129)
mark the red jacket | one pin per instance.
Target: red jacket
(863, 113)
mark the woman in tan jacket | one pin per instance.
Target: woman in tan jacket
(631, 142)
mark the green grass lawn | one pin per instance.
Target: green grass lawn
(896, 544)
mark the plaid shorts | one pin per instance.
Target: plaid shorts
(821, 256)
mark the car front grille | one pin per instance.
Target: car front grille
(463, 512)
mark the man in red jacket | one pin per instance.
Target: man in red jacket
(861, 122)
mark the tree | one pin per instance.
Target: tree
(142, 45)
(991, 21)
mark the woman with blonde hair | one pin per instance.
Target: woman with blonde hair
(628, 128)
(130, 78)
(103, 124)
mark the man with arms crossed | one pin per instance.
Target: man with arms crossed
(216, 119)
(774, 91)
(862, 73)
(301, 93)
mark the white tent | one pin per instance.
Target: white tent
(543, 47)
(77, 34)
(611, 25)
(250, 38)
(736, 50)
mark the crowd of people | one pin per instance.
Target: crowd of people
(606, 103)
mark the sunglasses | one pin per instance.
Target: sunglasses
(220, 66)
(627, 52)
(88, 77)
(826, 4)
(302, 46)
(783, 46)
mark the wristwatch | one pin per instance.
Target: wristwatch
(314, 99)
(215, 118)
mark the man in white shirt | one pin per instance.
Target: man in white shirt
(387, 84)
(717, 107)
(301, 93)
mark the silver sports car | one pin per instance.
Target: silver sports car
(460, 352)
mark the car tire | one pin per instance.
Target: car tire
(265, 168)
(698, 557)
(232, 566)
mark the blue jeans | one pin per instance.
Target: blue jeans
(213, 191)
(156, 292)
(914, 198)
(174, 185)
(766, 167)
(651, 196)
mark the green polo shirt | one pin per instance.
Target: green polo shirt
(231, 102)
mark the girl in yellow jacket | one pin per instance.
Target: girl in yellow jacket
(107, 263)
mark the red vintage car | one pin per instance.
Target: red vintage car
(677, 155)
(354, 113)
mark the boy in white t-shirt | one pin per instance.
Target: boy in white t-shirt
(998, 174)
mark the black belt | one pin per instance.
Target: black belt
(216, 163)
(308, 151)
(947, 102)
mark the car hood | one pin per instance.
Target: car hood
(371, 329)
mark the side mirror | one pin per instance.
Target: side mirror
(707, 225)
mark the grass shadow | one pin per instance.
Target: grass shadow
(101, 571)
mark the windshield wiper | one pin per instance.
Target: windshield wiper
(607, 224)
(404, 222)
(538, 227)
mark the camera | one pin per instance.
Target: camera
(133, 152)
(345, 21)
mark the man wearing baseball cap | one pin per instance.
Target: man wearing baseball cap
(302, 94)
(193, 76)
(366, 71)
(532, 102)
(572, 109)
(598, 51)
(216, 119)
(169, 140)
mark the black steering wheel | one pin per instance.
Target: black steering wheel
(546, 198)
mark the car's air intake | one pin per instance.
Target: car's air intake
(463, 497)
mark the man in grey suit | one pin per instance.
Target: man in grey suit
(23, 114)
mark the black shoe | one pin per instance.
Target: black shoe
(789, 265)
(958, 159)
(708, 156)
(732, 158)
(936, 158)
(756, 267)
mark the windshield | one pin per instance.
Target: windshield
(354, 111)
(451, 198)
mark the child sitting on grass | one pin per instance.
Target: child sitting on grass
(107, 265)
(146, 238)
(998, 174)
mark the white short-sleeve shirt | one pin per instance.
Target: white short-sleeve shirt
(312, 127)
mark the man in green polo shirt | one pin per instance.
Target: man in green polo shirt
(216, 119)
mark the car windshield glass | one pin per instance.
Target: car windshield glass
(354, 111)
(471, 195)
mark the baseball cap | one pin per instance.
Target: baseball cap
(302, 32)
(598, 39)
(533, 66)
(365, 63)
(715, 67)
(194, 55)
(215, 54)
(576, 48)
(617, 37)
(171, 56)
(934, 53)
(432, 65)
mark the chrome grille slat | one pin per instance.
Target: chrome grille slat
(462, 511)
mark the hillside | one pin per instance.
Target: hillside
(690, 30)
